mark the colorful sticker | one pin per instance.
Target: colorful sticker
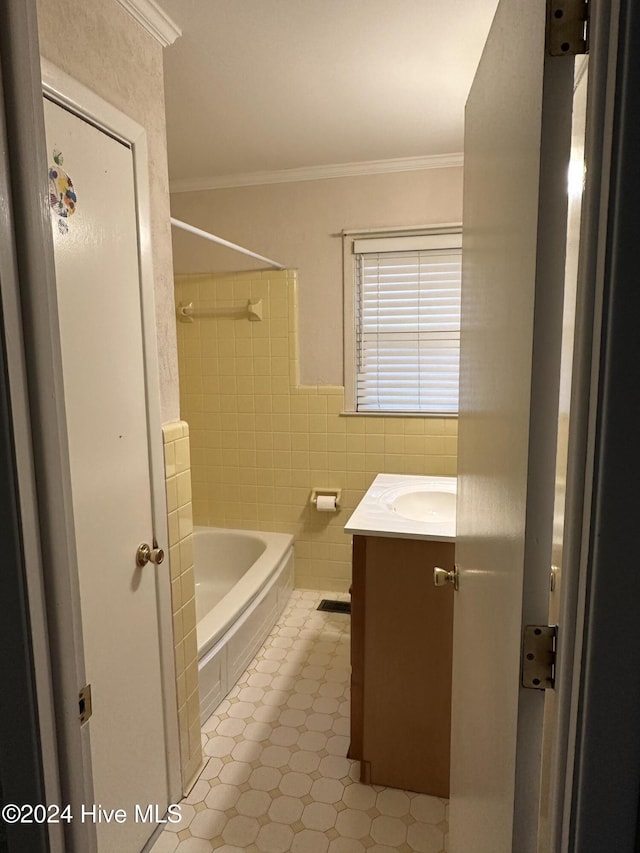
(62, 195)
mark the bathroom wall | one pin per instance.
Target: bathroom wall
(260, 441)
(178, 487)
(299, 224)
(102, 46)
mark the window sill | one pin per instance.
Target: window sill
(346, 414)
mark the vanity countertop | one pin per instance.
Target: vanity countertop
(408, 507)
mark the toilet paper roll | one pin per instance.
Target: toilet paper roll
(326, 503)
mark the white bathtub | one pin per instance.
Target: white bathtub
(243, 581)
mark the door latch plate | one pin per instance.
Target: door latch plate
(539, 656)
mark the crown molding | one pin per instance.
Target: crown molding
(154, 19)
(318, 173)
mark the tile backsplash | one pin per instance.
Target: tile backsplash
(260, 441)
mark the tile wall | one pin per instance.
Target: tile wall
(260, 442)
(180, 517)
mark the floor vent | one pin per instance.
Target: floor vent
(330, 605)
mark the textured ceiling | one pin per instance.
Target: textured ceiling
(261, 85)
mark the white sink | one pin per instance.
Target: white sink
(410, 506)
(425, 505)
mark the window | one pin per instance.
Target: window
(402, 322)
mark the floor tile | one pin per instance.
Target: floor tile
(277, 778)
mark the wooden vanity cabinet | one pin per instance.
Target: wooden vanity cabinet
(401, 654)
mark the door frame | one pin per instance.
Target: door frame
(606, 768)
(584, 407)
(69, 93)
(28, 770)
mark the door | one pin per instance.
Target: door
(517, 145)
(94, 224)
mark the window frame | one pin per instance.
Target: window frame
(349, 239)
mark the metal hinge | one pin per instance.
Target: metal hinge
(85, 707)
(567, 27)
(539, 656)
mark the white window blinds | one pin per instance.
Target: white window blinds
(407, 316)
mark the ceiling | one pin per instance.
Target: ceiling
(267, 85)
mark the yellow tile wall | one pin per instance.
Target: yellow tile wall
(260, 442)
(180, 518)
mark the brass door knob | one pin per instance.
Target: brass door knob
(441, 577)
(145, 554)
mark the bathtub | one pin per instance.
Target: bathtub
(243, 581)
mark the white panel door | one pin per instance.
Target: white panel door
(513, 268)
(97, 273)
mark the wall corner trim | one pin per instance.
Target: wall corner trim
(154, 19)
(317, 173)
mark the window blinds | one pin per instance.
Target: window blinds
(407, 314)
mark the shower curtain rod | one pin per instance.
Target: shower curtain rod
(214, 239)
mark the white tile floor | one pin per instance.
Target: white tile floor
(276, 778)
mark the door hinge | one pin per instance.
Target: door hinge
(539, 656)
(85, 707)
(567, 27)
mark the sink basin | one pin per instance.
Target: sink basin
(424, 505)
(408, 506)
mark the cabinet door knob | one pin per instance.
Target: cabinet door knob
(441, 577)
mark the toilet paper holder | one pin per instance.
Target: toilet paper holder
(333, 493)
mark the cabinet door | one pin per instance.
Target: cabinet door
(408, 636)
